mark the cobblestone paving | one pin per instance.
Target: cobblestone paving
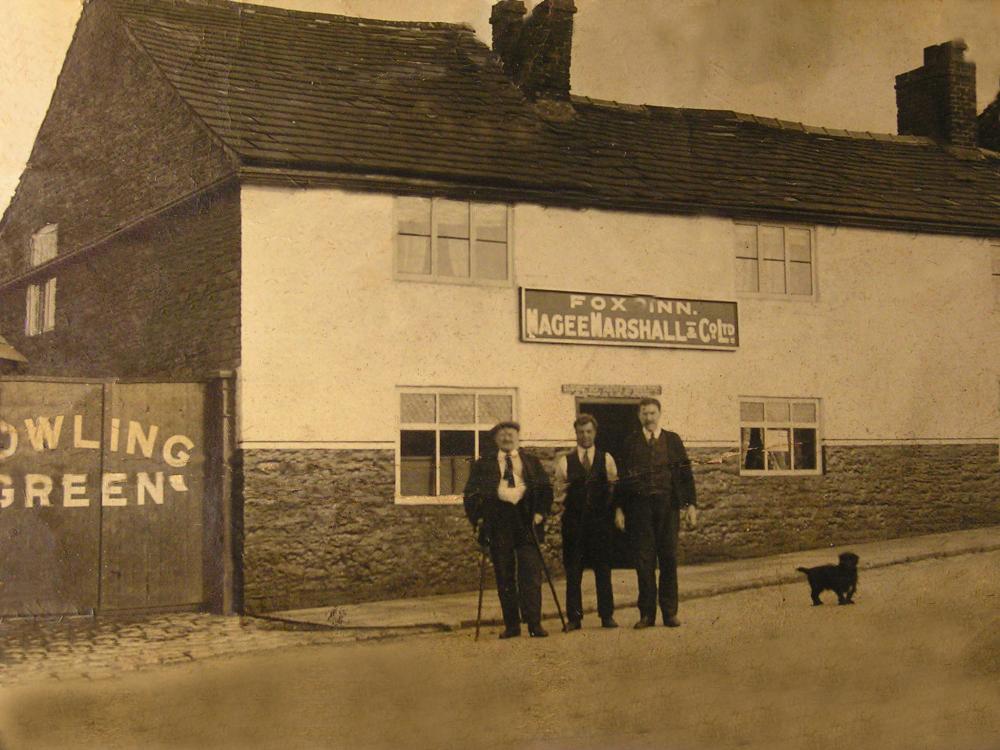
(98, 648)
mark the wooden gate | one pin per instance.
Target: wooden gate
(112, 496)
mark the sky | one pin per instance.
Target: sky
(821, 62)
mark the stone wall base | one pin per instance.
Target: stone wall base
(321, 526)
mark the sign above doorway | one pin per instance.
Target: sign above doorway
(612, 391)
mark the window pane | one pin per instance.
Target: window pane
(746, 241)
(490, 222)
(49, 306)
(413, 216)
(457, 454)
(746, 275)
(44, 244)
(491, 260)
(751, 411)
(31, 310)
(452, 219)
(413, 254)
(805, 449)
(752, 448)
(804, 412)
(772, 277)
(416, 407)
(457, 408)
(487, 445)
(776, 444)
(416, 471)
(800, 278)
(493, 409)
(453, 257)
(776, 411)
(772, 243)
(455, 443)
(799, 245)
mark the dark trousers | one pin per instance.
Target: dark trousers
(653, 528)
(574, 597)
(518, 571)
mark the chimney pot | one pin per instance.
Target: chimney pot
(946, 51)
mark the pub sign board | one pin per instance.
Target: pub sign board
(551, 316)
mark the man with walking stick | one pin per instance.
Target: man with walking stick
(507, 498)
(585, 484)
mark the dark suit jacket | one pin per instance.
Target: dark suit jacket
(679, 483)
(483, 504)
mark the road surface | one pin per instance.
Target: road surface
(914, 664)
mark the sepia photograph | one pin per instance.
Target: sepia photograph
(535, 374)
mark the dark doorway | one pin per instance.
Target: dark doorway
(616, 420)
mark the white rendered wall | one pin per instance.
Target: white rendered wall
(901, 341)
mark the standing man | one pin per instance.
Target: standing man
(658, 485)
(585, 484)
(508, 494)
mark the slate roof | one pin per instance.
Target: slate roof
(355, 101)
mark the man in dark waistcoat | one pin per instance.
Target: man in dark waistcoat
(509, 494)
(657, 485)
(585, 484)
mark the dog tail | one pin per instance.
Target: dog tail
(803, 570)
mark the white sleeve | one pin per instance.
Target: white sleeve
(559, 486)
(611, 466)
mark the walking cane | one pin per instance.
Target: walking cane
(548, 577)
(482, 582)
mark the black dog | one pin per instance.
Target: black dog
(842, 579)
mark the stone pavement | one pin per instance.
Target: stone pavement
(34, 650)
(454, 611)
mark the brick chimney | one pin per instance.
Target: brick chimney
(988, 126)
(507, 20)
(535, 51)
(939, 99)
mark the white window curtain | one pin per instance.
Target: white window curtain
(50, 305)
(31, 311)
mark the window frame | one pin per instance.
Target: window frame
(790, 425)
(40, 307)
(995, 273)
(814, 276)
(36, 257)
(474, 427)
(432, 277)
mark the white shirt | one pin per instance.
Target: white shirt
(506, 493)
(655, 434)
(561, 483)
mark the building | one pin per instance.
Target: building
(396, 236)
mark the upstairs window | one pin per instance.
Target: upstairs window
(44, 245)
(779, 436)
(452, 241)
(40, 298)
(442, 431)
(774, 260)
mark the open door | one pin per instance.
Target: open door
(616, 420)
